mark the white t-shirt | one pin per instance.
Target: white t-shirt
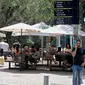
(4, 46)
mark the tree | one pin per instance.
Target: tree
(28, 11)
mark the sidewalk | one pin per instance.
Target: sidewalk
(33, 77)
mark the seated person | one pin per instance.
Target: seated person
(52, 53)
(59, 50)
(32, 49)
(16, 45)
(68, 58)
(36, 56)
(68, 48)
(17, 54)
(17, 50)
(37, 53)
(26, 53)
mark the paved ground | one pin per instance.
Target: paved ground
(33, 77)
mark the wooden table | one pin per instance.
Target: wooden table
(62, 56)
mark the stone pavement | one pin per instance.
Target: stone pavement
(33, 77)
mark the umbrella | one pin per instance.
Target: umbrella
(2, 35)
(33, 34)
(18, 27)
(41, 25)
(60, 30)
(81, 33)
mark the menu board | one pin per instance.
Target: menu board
(66, 11)
(63, 12)
(63, 4)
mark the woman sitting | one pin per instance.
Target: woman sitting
(59, 50)
(68, 58)
(68, 48)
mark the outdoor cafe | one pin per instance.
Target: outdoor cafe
(33, 57)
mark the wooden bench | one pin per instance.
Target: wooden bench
(49, 61)
(9, 61)
(16, 59)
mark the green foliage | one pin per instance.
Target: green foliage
(29, 42)
(28, 11)
(53, 42)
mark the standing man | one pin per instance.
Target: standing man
(78, 63)
(4, 46)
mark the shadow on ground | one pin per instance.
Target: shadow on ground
(37, 71)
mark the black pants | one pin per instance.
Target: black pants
(69, 59)
(1, 52)
(26, 61)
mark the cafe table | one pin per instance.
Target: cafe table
(62, 56)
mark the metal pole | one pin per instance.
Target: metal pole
(57, 42)
(75, 31)
(42, 48)
(46, 80)
(47, 44)
(20, 58)
(71, 41)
